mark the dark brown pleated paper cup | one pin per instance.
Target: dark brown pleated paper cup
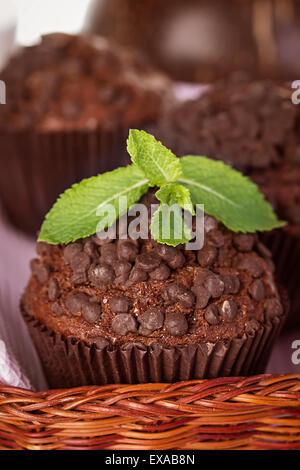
(285, 248)
(70, 363)
(37, 167)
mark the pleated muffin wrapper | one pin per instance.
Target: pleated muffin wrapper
(37, 167)
(285, 247)
(70, 363)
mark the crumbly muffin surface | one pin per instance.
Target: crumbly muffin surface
(71, 83)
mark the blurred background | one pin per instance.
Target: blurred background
(194, 40)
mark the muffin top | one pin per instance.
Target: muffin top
(71, 82)
(250, 125)
(141, 292)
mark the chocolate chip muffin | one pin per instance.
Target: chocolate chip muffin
(105, 311)
(70, 103)
(253, 126)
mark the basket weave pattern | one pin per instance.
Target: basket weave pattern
(259, 412)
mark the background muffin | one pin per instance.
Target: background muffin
(254, 127)
(70, 103)
(138, 311)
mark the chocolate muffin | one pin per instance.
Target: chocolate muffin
(111, 311)
(253, 126)
(70, 103)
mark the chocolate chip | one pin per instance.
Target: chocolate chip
(137, 275)
(202, 296)
(40, 271)
(78, 278)
(251, 265)
(152, 319)
(80, 262)
(251, 326)
(147, 261)
(127, 250)
(263, 250)
(101, 241)
(243, 241)
(273, 308)
(214, 285)
(231, 283)
(186, 299)
(176, 324)
(207, 255)
(121, 280)
(122, 267)
(177, 261)
(201, 275)
(162, 273)
(167, 253)
(109, 253)
(75, 302)
(124, 323)
(228, 310)
(100, 274)
(100, 342)
(119, 304)
(164, 251)
(175, 292)
(257, 290)
(53, 290)
(90, 248)
(91, 312)
(71, 250)
(216, 238)
(209, 223)
(56, 309)
(212, 315)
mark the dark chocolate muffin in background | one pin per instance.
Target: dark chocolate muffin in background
(70, 103)
(254, 127)
(131, 311)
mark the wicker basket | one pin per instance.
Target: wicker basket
(259, 412)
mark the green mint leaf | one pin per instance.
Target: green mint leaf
(227, 195)
(157, 162)
(74, 215)
(168, 227)
(176, 194)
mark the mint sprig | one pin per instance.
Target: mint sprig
(157, 162)
(226, 194)
(78, 211)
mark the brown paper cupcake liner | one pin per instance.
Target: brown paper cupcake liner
(285, 248)
(70, 363)
(37, 167)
